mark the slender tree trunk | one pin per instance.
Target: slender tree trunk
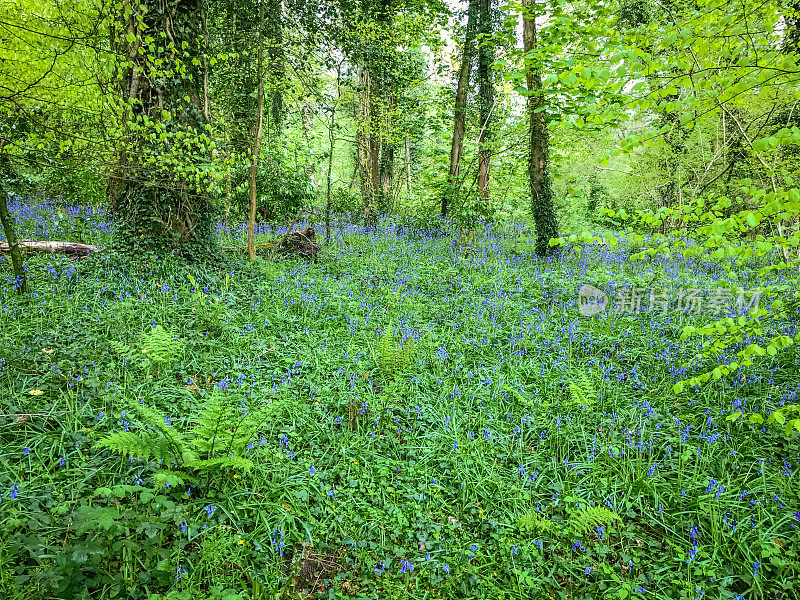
(387, 170)
(332, 146)
(228, 181)
(791, 35)
(332, 142)
(408, 164)
(307, 118)
(460, 120)
(486, 92)
(374, 146)
(20, 282)
(542, 206)
(387, 153)
(362, 137)
(277, 65)
(251, 222)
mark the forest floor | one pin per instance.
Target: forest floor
(407, 417)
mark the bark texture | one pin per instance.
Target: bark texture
(542, 205)
(460, 117)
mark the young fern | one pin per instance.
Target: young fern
(536, 524)
(216, 441)
(393, 358)
(582, 393)
(590, 518)
(578, 523)
(159, 348)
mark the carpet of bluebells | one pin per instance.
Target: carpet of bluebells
(425, 441)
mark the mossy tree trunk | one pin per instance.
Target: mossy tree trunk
(159, 179)
(257, 130)
(460, 113)
(486, 98)
(542, 204)
(17, 267)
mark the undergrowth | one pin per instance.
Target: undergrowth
(397, 420)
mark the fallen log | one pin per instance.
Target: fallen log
(52, 247)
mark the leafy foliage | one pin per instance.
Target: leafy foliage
(216, 442)
(158, 349)
(393, 356)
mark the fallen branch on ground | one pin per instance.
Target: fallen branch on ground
(52, 247)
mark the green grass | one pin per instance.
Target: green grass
(428, 406)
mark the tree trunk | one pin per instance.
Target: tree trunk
(460, 121)
(251, 222)
(277, 64)
(542, 205)
(160, 205)
(374, 146)
(387, 154)
(791, 35)
(20, 282)
(362, 138)
(48, 247)
(387, 170)
(307, 118)
(485, 60)
(332, 147)
(408, 165)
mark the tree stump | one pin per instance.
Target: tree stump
(300, 242)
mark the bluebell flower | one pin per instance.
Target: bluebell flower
(406, 567)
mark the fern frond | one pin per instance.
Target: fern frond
(224, 462)
(582, 391)
(122, 349)
(156, 420)
(135, 445)
(393, 357)
(592, 517)
(173, 478)
(536, 524)
(160, 346)
(212, 421)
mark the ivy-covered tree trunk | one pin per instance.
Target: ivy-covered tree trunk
(17, 268)
(362, 137)
(460, 124)
(257, 130)
(486, 95)
(159, 180)
(542, 205)
(387, 155)
(791, 35)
